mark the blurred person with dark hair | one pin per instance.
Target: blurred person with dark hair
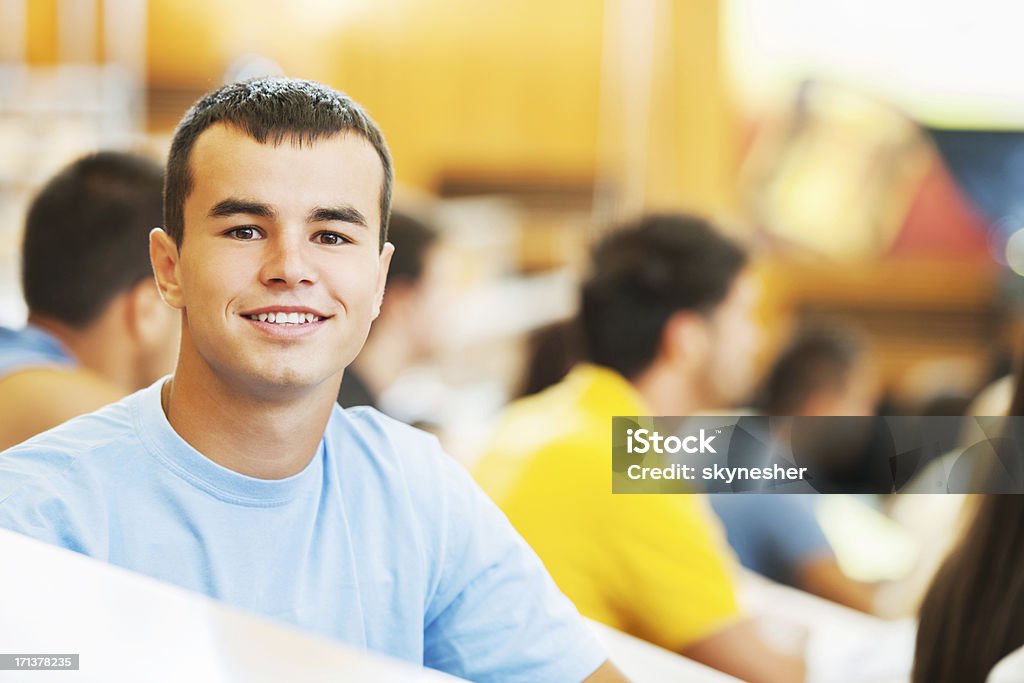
(240, 477)
(97, 329)
(823, 371)
(551, 353)
(406, 331)
(668, 327)
(971, 616)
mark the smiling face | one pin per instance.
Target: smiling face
(280, 273)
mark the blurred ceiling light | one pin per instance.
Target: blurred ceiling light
(838, 176)
(251, 66)
(327, 15)
(947, 63)
(1015, 252)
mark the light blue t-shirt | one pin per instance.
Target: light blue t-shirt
(382, 541)
(30, 347)
(772, 533)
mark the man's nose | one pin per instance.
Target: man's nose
(287, 262)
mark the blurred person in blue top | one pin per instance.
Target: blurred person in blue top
(239, 476)
(970, 624)
(97, 329)
(824, 371)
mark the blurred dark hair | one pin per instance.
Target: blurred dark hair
(817, 358)
(551, 352)
(86, 235)
(972, 615)
(643, 273)
(413, 239)
(1017, 404)
(269, 110)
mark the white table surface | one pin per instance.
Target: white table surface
(643, 662)
(130, 628)
(842, 645)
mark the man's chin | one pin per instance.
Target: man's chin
(284, 384)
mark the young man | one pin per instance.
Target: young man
(97, 329)
(667, 317)
(240, 477)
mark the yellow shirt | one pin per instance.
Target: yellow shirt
(654, 565)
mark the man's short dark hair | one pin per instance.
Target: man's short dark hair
(86, 236)
(643, 273)
(413, 239)
(818, 358)
(269, 110)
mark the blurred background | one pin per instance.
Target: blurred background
(869, 150)
(871, 153)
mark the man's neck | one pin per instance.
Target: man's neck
(266, 439)
(92, 347)
(666, 391)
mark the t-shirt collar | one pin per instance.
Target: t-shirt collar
(179, 456)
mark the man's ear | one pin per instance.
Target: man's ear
(382, 276)
(163, 255)
(685, 339)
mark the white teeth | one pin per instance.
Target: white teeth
(286, 318)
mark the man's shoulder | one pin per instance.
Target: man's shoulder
(372, 428)
(30, 347)
(39, 398)
(88, 441)
(56, 486)
(546, 450)
(391, 467)
(388, 446)
(368, 420)
(539, 427)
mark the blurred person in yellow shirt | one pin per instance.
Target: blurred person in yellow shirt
(667, 323)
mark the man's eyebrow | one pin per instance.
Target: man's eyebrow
(233, 206)
(343, 214)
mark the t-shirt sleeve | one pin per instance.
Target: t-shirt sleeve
(675, 567)
(656, 566)
(32, 502)
(496, 615)
(772, 533)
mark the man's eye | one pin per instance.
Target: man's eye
(331, 238)
(244, 233)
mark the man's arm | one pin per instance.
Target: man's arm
(823, 577)
(739, 651)
(37, 399)
(606, 673)
(495, 613)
